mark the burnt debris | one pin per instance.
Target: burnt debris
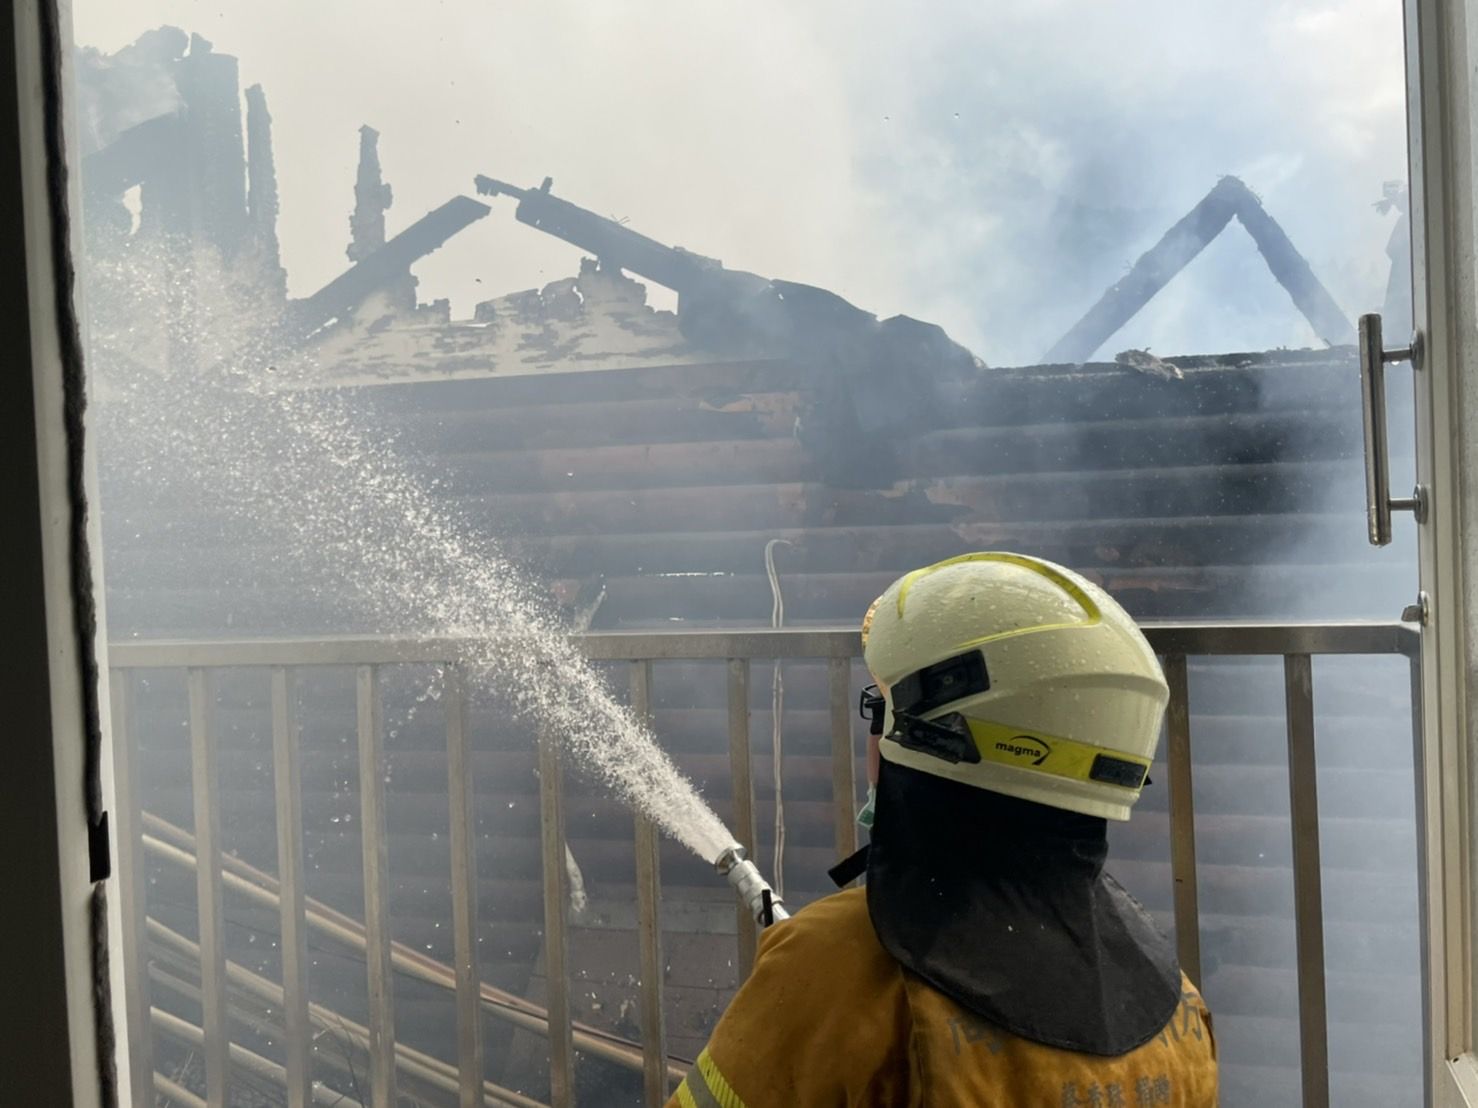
(261, 194)
(1145, 362)
(187, 158)
(386, 268)
(875, 379)
(206, 180)
(372, 199)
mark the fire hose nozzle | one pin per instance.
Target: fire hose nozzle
(754, 891)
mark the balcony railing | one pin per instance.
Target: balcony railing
(199, 849)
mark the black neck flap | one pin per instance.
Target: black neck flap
(1003, 906)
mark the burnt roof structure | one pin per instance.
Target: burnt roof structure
(643, 462)
(1229, 198)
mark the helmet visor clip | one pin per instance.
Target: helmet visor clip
(947, 738)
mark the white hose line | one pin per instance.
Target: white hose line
(777, 710)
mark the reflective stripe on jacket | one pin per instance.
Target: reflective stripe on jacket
(828, 1018)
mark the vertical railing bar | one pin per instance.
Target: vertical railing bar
(461, 794)
(204, 791)
(649, 920)
(376, 853)
(743, 784)
(287, 786)
(133, 888)
(556, 922)
(1424, 858)
(1308, 908)
(1182, 818)
(843, 760)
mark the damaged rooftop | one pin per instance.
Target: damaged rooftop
(687, 468)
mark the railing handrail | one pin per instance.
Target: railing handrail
(816, 643)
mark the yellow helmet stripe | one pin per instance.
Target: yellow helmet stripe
(1003, 745)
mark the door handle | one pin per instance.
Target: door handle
(1379, 503)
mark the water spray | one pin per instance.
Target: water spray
(754, 891)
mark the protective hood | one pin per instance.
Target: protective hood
(1003, 905)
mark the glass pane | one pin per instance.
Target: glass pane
(1365, 796)
(816, 295)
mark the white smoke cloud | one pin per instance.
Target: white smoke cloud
(990, 167)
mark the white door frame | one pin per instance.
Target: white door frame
(54, 1047)
(1445, 310)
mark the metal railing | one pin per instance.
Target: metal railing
(1295, 644)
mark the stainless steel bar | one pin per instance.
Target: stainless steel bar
(1308, 903)
(376, 854)
(649, 921)
(1377, 450)
(133, 887)
(743, 786)
(163, 979)
(1353, 637)
(1426, 851)
(205, 797)
(292, 909)
(1282, 639)
(711, 645)
(1182, 819)
(198, 1038)
(556, 922)
(843, 760)
(186, 1032)
(176, 846)
(601, 646)
(174, 1091)
(460, 784)
(649, 926)
(333, 1024)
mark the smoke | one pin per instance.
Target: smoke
(987, 167)
(119, 90)
(199, 419)
(990, 168)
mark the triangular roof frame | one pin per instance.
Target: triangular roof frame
(1160, 264)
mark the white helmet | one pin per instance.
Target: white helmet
(1016, 675)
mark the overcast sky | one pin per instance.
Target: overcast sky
(987, 165)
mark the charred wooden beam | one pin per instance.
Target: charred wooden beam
(215, 207)
(1053, 447)
(871, 376)
(130, 158)
(382, 267)
(261, 193)
(1291, 269)
(372, 199)
(1239, 539)
(643, 408)
(611, 242)
(1192, 234)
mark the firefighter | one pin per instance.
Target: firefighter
(988, 959)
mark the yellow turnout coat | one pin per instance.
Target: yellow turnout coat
(829, 1019)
